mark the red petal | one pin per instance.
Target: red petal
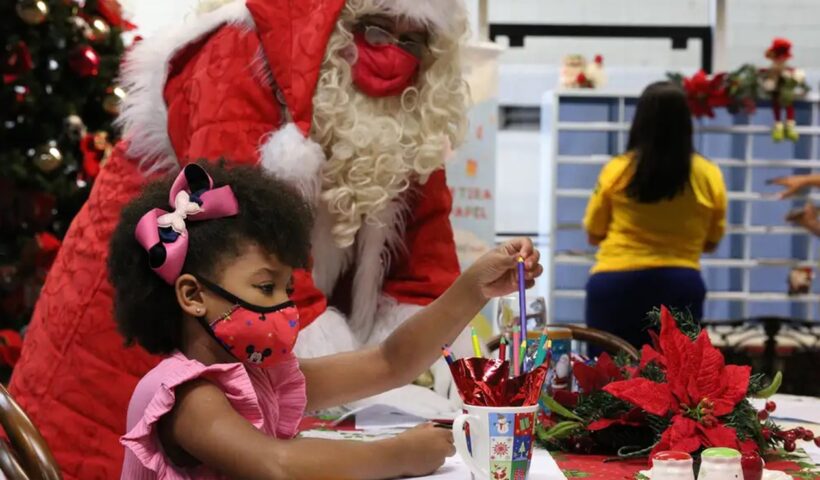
(649, 355)
(603, 423)
(608, 367)
(566, 398)
(682, 435)
(678, 350)
(719, 436)
(709, 364)
(589, 379)
(653, 397)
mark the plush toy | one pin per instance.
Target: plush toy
(577, 73)
(783, 84)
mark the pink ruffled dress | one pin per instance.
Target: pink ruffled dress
(272, 399)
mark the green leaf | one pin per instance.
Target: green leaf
(559, 430)
(772, 388)
(559, 409)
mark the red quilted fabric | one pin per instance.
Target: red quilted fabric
(75, 378)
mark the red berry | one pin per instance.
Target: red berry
(817, 441)
(789, 436)
(771, 406)
(762, 415)
(789, 445)
(808, 435)
(767, 434)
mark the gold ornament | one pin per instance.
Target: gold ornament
(113, 99)
(33, 12)
(99, 30)
(48, 157)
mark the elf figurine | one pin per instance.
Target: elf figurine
(783, 84)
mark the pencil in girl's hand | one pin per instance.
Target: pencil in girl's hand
(476, 345)
(522, 297)
(502, 348)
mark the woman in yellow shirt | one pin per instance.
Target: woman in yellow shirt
(654, 211)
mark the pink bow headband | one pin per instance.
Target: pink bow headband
(164, 235)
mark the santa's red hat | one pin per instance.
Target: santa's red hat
(780, 49)
(294, 37)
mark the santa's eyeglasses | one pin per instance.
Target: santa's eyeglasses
(378, 36)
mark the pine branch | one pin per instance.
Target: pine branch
(686, 322)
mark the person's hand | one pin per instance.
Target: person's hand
(496, 272)
(808, 218)
(791, 185)
(424, 448)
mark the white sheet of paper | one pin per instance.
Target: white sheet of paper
(793, 407)
(543, 467)
(385, 416)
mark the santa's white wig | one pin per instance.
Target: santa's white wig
(377, 147)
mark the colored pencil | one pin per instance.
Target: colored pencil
(448, 357)
(522, 298)
(542, 349)
(515, 353)
(502, 348)
(523, 354)
(476, 345)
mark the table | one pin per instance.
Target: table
(792, 411)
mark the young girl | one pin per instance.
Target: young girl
(201, 269)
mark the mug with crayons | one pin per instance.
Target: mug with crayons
(499, 443)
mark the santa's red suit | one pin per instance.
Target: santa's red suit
(199, 92)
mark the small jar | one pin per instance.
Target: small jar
(720, 464)
(671, 465)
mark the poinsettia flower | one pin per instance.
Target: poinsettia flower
(705, 94)
(593, 378)
(633, 418)
(699, 389)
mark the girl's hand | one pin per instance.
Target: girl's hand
(423, 449)
(496, 273)
(792, 184)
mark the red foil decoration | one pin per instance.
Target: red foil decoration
(485, 382)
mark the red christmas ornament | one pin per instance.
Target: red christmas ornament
(16, 61)
(780, 49)
(84, 61)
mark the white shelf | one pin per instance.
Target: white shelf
(730, 230)
(761, 297)
(735, 129)
(726, 162)
(745, 198)
(585, 193)
(563, 259)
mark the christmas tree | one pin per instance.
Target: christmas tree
(59, 62)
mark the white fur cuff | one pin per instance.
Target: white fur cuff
(327, 335)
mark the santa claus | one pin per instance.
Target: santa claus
(356, 102)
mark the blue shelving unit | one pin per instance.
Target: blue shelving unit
(747, 276)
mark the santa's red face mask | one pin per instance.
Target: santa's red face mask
(383, 70)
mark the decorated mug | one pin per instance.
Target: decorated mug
(500, 442)
(720, 464)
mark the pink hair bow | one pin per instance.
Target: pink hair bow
(164, 235)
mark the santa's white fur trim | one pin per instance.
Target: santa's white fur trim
(329, 260)
(327, 335)
(376, 243)
(292, 157)
(447, 16)
(144, 116)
